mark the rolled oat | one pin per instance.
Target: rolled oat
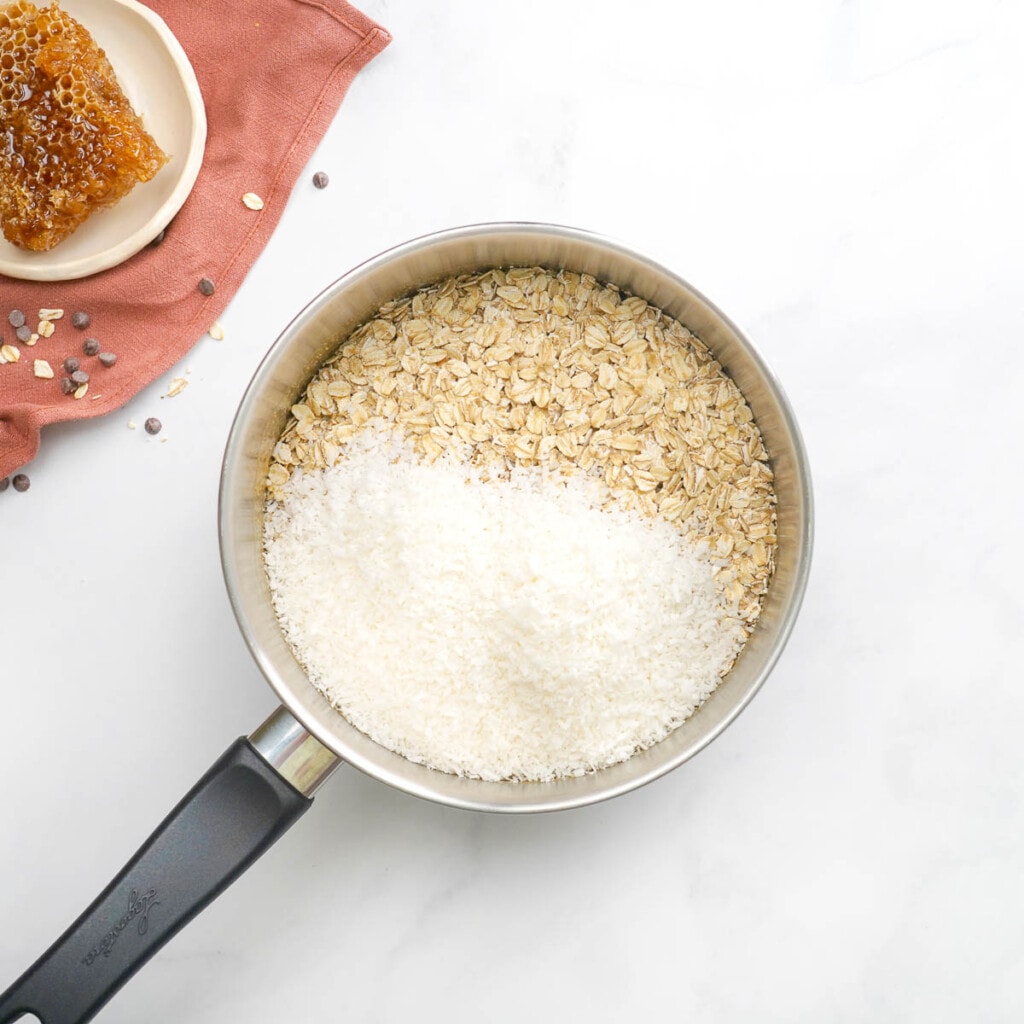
(526, 366)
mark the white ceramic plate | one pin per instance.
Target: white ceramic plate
(159, 81)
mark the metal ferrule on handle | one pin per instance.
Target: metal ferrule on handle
(294, 754)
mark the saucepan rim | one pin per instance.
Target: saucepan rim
(239, 533)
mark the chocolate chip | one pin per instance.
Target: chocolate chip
(159, 238)
(21, 482)
(16, 318)
(71, 364)
(80, 377)
(320, 180)
(206, 286)
(153, 425)
(90, 346)
(108, 359)
(68, 386)
(23, 333)
(80, 320)
(4, 484)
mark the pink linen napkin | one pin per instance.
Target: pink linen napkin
(273, 74)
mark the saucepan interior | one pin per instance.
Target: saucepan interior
(320, 328)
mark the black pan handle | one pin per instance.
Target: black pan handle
(234, 813)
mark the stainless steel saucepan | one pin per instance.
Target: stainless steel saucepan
(264, 782)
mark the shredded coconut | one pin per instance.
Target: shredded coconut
(498, 629)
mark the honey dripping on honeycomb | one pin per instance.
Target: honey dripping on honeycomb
(70, 142)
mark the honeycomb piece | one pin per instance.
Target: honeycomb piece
(70, 142)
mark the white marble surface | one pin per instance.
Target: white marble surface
(844, 178)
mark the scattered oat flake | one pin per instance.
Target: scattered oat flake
(131, 424)
(81, 391)
(177, 386)
(50, 314)
(9, 353)
(41, 368)
(45, 328)
(32, 339)
(253, 201)
(216, 331)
